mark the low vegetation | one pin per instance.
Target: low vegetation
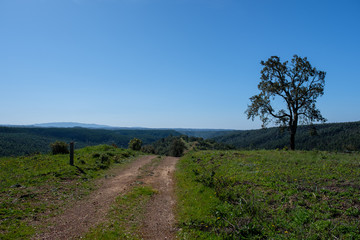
(177, 145)
(268, 195)
(36, 187)
(59, 147)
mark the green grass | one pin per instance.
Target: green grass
(268, 194)
(125, 216)
(36, 187)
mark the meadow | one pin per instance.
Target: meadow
(36, 187)
(221, 194)
(268, 194)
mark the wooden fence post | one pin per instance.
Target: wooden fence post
(72, 153)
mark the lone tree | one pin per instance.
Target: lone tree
(298, 84)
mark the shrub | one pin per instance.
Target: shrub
(104, 161)
(177, 147)
(59, 147)
(135, 144)
(148, 149)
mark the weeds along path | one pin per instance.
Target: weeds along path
(159, 219)
(82, 215)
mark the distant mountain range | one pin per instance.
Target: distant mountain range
(194, 132)
(82, 125)
(69, 125)
(98, 126)
(72, 125)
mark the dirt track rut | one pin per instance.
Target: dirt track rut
(159, 220)
(84, 214)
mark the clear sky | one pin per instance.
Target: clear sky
(168, 63)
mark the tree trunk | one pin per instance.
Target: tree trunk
(293, 128)
(292, 140)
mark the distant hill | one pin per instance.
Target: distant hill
(70, 125)
(330, 136)
(16, 141)
(194, 132)
(82, 125)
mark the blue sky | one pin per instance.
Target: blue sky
(167, 63)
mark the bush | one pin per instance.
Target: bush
(104, 161)
(177, 147)
(135, 144)
(148, 149)
(59, 147)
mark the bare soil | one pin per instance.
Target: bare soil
(159, 221)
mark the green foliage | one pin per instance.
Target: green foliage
(297, 84)
(59, 147)
(329, 137)
(34, 185)
(210, 144)
(164, 145)
(17, 141)
(135, 144)
(104, 161)
(268, 195)
(149, 149)
(203, 133)
(176, 145)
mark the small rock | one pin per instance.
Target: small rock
(16, 185)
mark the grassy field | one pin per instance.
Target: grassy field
(268, 194)
(221, 194)
(36, 187)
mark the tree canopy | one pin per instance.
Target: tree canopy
(298, 84)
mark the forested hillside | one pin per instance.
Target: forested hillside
(331, 137)
(15, 141)
(203, 133)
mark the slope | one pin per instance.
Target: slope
(331, 137)
(17, 141)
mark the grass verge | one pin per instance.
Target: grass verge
(268, 194)
(36, 187)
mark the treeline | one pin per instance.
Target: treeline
(203, 133)
(177, 145)
(327, 137)
(15, 141)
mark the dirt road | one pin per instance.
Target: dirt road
(159, 218)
